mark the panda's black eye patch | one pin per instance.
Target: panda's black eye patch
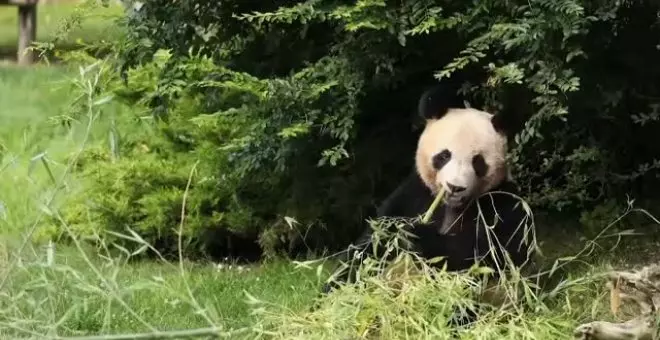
(440, 159)
(479, 165)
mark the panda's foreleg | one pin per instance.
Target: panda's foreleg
(457, 252)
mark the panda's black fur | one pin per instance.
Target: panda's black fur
(412, 198)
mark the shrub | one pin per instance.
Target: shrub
(306, 108)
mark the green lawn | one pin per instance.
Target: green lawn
(73, 294)
(28, 98)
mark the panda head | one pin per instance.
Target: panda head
(462, 150)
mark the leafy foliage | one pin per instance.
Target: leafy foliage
(300, 109)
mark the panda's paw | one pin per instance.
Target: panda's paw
(463, 319)
(327, 288)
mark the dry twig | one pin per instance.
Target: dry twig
(642, 287)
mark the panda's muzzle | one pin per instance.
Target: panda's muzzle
(454, 200)
(455, 196)
(455, 189)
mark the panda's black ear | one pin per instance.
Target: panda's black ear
(501, 124)
(436, 101)
(516, 107)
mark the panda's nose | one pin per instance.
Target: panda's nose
(455, 188)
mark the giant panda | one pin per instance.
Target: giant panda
(462, 150)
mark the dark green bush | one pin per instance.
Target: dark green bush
(247, 144)
(307, 109)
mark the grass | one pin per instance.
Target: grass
(156, 292)
(29, 97)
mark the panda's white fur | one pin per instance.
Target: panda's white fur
(465, 133)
